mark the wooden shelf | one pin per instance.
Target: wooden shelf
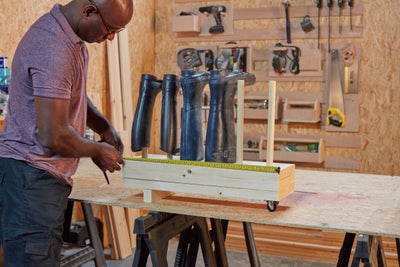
(307, 150)
(186, 23)
(256, 106)
(301, 111)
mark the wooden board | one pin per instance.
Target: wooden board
(334, 202)
(330, 201)
(208, 181)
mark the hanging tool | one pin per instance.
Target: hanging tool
(335, 114)
(319, 6)
(347, 54)
(351, 4)
(288, 37)
(330, 5)
(189, 58)
(208, 59)
(216, 12)
(340, 5)
(280, 56)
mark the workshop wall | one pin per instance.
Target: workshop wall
(376, 148)
(378, 134)
(19, 16)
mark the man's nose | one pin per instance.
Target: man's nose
(110, 36)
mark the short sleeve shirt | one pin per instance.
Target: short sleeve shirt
(50, 61)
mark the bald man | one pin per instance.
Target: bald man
(43, 136)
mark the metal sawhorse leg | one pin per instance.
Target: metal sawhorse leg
(369, 250)
(94, 251)
(219, 230)
(154, 231)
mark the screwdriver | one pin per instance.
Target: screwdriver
(351, 14)
(319, 6)
(340, 5)
(330, 5)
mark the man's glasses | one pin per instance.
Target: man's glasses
(104, 23)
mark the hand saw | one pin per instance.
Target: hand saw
(335, 114)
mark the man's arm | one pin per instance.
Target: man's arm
(99, 124)
(60, 137)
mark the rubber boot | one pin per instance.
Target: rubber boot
(141, 126)
(229, 112)
(215, 124)
(192, 84)
(168, 137)
(221, 135)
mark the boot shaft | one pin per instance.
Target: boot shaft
(168, 136)
(192, 84)
(141, 126)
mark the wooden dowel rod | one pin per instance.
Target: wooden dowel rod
(239, 121)
(271, 122)
(145, 153)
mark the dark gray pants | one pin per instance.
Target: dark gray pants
(32, 208)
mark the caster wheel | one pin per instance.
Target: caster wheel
(271, 205)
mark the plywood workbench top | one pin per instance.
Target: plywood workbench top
(332, 201)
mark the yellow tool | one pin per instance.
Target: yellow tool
(220, 165)
(336, 115)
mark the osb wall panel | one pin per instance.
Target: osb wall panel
(379, 73)
(141, 43)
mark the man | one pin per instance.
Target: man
(42, 139)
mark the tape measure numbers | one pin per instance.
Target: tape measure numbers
(220, 165)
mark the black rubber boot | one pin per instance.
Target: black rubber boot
(221, 135)
(168, 135)
(192, 84)
(215, 126)
(141, 126)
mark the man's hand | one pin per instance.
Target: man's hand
(108, 158)
(111, 137)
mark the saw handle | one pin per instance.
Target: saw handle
(335, 117)
(288, 35)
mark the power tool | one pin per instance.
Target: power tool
(216, 12)
(189, 58)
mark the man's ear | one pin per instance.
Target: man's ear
(89, 10)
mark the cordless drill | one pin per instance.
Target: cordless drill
(216, 12)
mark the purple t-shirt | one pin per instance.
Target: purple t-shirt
(50, 61)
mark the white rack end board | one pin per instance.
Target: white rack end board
(158, 178)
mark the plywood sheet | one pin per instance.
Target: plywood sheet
(330, 201)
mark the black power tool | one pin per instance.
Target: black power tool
(216, 12)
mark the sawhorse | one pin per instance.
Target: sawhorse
(369, 250)
(94, 251)
(219, 231)
(154, 231)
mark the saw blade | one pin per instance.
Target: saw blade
(336, 100)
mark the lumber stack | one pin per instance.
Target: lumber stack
(309, 244)
(119, 221)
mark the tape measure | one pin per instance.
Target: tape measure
(220, 165)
